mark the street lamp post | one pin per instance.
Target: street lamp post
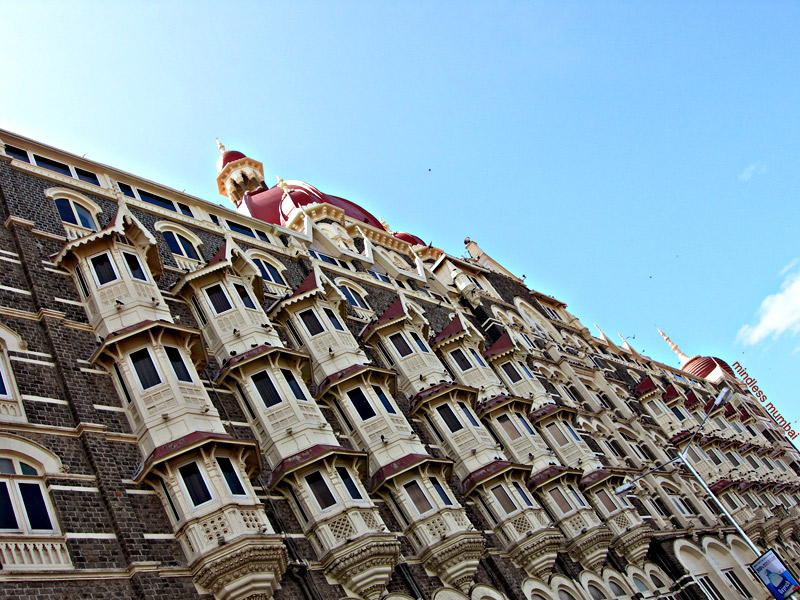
(723, 397)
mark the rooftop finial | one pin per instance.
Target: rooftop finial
(681, 356)
(220, 146)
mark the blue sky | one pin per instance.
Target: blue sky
(639, 161)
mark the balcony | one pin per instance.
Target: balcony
(631, 535)
(531, 541)
(27, 553)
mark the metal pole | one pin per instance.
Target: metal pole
(697, 476)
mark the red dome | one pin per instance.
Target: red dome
(407, 237)
(702, 366)
(271, 207)
(228, 157)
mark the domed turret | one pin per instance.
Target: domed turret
(707, 367)
(238, 175)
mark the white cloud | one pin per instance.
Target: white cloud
(756, 168)
(789, 267)
(779, 313)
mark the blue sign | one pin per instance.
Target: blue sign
(773, 574)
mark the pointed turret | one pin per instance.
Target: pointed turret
(238, 175)
(681, 356)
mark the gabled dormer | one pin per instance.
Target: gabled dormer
(400, 335)
(115, 271)
(315, 318)
(226, 297)
(509, 360)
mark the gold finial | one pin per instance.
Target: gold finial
(681, 356)
(220, 146)
(385, 226)
(283, 185)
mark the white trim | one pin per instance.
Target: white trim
(43, 399)
(94, 273)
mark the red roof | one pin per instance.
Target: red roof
(228, 157)
(219, 256)
(702, 366)
(308, 284)
(407, 237)
(271, 207)
(395, 467)
(306, 456)
(671, 393)
(453, 328)
(485, 472)
(503, 344)
(395, 311)
(644, 386)
(691, 400)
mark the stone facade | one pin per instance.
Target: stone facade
(200, 404)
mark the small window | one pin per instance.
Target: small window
(168, 496)
(729, 499)
(311, 322)
(525, 424)
(17, 153)
(235, 486)
(103, 269)
(418, 497)
(468, 413)
(572, 432)
(299, 506)
(269, 272)
(266, 389)
(294, 385)
(335, 323)
(557, 435)
(422, 346)
(512, 373)
(87, 176)
(244, 296)
(737, 584)
(263, 236)
(709, 587)
(214, 218)
(243, 229)
(353, 298)
(126, 189)
(502, 497)
(348, 482)
(525, 370)
(180, 245)
(563, 505)
(145, 368)
(82, 283)
(384, 354)
(178, 366)
(461, 360)
(384, 400)
(441, 491)
(522, 494)
(134, 266)
(400, 344)
(52, 165)
(477, 357)
(678, 413)
(195, 484)
(200, 314)
(607, 501)
(361, 403)
(22, 499)
(320, 489)
(753, 461)
(449, 417)
(218, 298)
(75, 213)
(576, 495)
(120, 380)
(511, 431)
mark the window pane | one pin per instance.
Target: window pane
(134, 266)
(195, 484)
(442, 493)
(176, 360)
(577, 496)
(384, 400)
(64, 207)
(188, 248)
(337, 325)
(3, 389)
(468, 413)
(509, 427)
(82, 282)
(400, 343)
(525, 423)
(449, 417)
(419, 342)
(145, 369)
(7, 466)
(219, 299)
(200, 314)
(247, 301)
(461, 360)
(362, 405)
(504, 499)
(52, 165)
(352, 296)
(126, 189)
(87, 176)
(293, 384)
(276, 276)
(266, 389)
(321, 490)
(185, 209)
(418, 497)
(511, 372)
(477, 357)
(157, 200)
(311, 322)
(8, 519)
(555, 432)
(17, 153)
(351, 486)
(103, 269)
(560, 500)
(606, 501)
(172, 242)
(231, 478)
(263, 236)
(525, 498)
(35, 507)
(240, 229)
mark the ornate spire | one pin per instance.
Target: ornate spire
(220, 146)
(681, 356)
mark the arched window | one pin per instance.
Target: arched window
(269, 272)
(24, 507)
(565, 595)
(596, 593)
(75, 209)
(353, 297)
(640, 585)
(11, 408)
(181, 243)
(617, 590)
